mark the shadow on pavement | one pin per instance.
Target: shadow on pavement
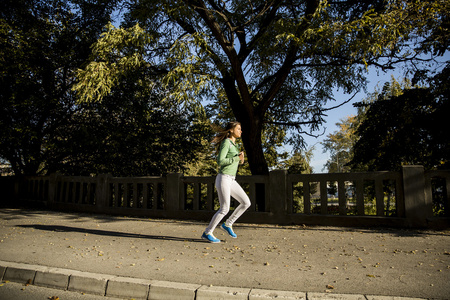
(59, 228)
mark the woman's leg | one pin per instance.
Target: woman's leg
(223, 185)
(239, 194)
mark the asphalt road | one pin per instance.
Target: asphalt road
(368, 261)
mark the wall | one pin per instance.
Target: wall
(392, 199)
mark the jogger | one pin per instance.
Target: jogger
(228, 159)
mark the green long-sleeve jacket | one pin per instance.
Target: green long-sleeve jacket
(228, 158)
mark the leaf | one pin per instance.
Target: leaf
(330, 287)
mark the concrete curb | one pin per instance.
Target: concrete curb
(123, 287)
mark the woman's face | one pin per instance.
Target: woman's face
(236, 131)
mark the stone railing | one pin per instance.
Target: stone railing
(394, 199)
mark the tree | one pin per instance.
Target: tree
(406, 128)
(339, 144)
(298, 163)
(45, 129)
(41, 45)
(276, 61)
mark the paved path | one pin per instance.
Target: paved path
(310, 261)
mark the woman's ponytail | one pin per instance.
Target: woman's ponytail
(222, 133)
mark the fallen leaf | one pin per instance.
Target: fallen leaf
(329, 286)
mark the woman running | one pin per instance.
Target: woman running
(228, 159)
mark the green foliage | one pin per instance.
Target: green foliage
(298, 163)
(134, 131)
(339, 144)
(41, 43)
(117, 52)
(128, 136)
(44, 126)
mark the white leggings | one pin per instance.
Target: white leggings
(227, 186)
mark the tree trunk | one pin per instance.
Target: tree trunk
(251, 137)
(251, 123)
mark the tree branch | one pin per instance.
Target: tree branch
(290, 124)
(291, 56)
(339, 105)
(247, 48)
(229, 50)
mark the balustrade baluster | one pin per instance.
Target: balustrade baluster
(342, 198)
(359, 190)
(379, 194)
(306, 197)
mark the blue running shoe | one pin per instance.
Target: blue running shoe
(210, 238)
(229, 230)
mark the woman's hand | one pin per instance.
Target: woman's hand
(241, 157)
